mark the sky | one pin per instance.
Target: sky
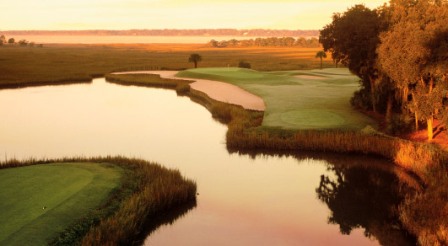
(171, 14)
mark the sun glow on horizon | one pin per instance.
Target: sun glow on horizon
(179, 14)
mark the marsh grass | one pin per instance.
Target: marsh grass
(59, 64)
(147, 190)
(150, 80)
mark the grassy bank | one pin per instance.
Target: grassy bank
(57, 64)
(50, 201)
(150, 80)
(125, 214)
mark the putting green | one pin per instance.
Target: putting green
(305, 99)
(38, 202)
(312, 118)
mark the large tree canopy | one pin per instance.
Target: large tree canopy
(352, 39)
(413, 54)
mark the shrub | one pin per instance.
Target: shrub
(244, 64)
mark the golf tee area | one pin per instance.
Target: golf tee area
(86, 201)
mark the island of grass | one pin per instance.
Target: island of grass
(305, 99)
(107, 200)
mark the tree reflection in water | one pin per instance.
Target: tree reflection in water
(362, 197)
(361, 191)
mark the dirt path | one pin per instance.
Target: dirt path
(220, 91)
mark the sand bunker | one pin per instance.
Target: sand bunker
(219, 91)
(310, 77)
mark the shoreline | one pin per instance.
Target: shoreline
(220, 91)
(425, 161)
(418, 158)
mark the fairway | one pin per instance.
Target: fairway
(38, 202)
(303, 99)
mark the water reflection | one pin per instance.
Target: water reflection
(245, 198)
(362, 192)
(164, 219)
(367, 198)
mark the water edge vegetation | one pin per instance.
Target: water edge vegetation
(145, 191)
(427, 161)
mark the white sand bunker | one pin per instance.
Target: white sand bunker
(219, 91)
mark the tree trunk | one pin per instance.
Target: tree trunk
(430, 128)
(195, 64)
(416, 120)
(372, 93)
(389, 109)
(320, 62)
(430, 120)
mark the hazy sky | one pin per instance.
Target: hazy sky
(180, 14)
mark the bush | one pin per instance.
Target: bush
(361, 100)
(23, 42)
(244, 64)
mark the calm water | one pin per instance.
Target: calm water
(95, 39)
(303, 199)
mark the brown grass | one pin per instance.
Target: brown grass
(53, 64)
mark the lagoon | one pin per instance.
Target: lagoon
(244, 199)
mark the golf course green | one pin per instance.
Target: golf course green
(40, 201)
(305, 99)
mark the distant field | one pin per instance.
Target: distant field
(38, 202)
(65, 63)
(307, 99)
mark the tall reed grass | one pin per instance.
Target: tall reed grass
(150, 80)
(149, 196)
(68, 63)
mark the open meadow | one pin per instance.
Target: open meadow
(65, 63)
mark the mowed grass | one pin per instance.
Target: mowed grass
(39, 202)
(57, 63)
(302, 99)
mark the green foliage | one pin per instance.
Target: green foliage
(266, 42)
(413, 54)
(23, 42)
(410, 38)
(244, 64)
(321, 54)
(195, 58)
(2, 39)
(352, 39)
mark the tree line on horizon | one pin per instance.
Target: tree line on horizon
(174, 32)
(400, 52)
(267, 42)
(12, 41)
